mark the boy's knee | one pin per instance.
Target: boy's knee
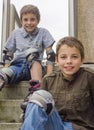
(43, 99)
(3, 79)
(7, 74)
(31, 55)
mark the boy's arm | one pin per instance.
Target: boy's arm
(50, 59)
(49, 68)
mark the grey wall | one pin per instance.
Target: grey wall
(85, 26)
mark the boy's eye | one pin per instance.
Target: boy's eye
(72, 57)
(75, 56)
(25, 19)
(63, 57)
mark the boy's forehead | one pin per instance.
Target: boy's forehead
(29, 15)
(26, 13)
(66, 48)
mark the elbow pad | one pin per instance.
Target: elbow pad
(50, 57)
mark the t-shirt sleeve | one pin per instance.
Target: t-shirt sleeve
(11, 42)
(48, 39)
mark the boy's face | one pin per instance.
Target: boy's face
(69, 60)
(29, 22)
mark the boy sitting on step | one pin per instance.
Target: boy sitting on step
(24, 50)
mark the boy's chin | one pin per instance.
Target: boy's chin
(29, 31)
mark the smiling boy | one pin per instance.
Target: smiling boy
(24, 50)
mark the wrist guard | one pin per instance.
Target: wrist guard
(7, 56)
(50, 57)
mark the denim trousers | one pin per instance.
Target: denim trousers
(21, 70)
(37, 119)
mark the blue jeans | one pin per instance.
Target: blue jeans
(37, 119)
(21, 70)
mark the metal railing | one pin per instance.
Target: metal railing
(10, 21)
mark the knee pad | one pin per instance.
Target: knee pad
(3, 79)
(8, 72)
(31, 54)
(44, 99)
(34, 86)
(50, 57)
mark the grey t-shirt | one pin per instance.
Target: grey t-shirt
(20, 41)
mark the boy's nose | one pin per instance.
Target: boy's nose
(28, 21)
(68, 60)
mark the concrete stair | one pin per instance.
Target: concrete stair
(10, 99)
(10, 126)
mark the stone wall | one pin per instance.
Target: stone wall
(85, 26)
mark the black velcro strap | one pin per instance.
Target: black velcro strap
(49, 108)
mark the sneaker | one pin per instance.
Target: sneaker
(34, 86)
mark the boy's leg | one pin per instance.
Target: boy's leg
(54, 122)
(36, 71)
(35, 118)
(68, 126)
(43, 105)
(43, 114)
(14, 73)
(32, 58)
(34, 86)
(5, 75)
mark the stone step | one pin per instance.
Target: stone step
(10, 126)
(88, 66)
(10, 111)
(20, 90)
(15, 91)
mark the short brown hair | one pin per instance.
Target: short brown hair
(30, 9)
(70, 41)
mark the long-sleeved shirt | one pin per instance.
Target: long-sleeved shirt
(74, 99)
